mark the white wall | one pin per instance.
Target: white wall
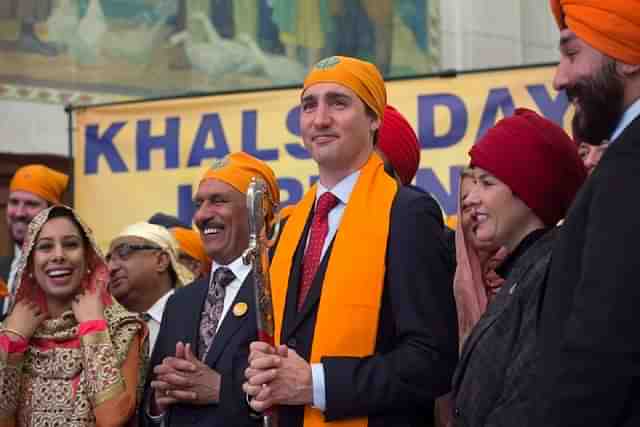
(480, 34)
(30, 127)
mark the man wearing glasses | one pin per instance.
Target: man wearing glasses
(144, 271)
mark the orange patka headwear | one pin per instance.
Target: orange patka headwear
(190, 243)
(610, 26)
(41, 181)
(237, 169)
(360, 76)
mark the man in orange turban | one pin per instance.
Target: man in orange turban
(358, 278)
(32, 189)
(588, 316)
(206, 326)
(191, 253)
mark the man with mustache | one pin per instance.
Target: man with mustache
(590, 346)
(196, 371)
(363, 305)
(32, 189)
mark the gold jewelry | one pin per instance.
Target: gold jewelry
(14, 332)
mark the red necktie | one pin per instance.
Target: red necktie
(317, 236)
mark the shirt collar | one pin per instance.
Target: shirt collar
(157, 309)
(342, 190)
(240, 270)
(629, 115)
(17, 251)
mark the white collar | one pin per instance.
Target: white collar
(629, 115)
(343, 189)
(240, 270)
(157, 309)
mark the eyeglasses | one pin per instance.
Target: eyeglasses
(124, 251)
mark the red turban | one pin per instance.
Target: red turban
(536, 159)
(398, 142)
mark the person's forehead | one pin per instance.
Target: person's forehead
(321, 89)
(59, 225)
(212, 186)
(131, 240)
(477, 172)
(570, 38)
(25, 196)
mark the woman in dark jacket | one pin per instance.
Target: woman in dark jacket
(522, 178)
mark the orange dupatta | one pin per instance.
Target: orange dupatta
(354, 279)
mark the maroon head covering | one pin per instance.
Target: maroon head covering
(536, 159)
(398, 142)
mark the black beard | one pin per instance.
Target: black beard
(600, 101)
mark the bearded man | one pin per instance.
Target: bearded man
(590, 347)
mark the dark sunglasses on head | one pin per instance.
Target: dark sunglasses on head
(125, 250)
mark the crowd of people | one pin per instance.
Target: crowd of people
(522, 315)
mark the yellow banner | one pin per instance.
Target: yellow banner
(135, 159)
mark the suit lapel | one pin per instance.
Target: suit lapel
(291, 304)
(192, 315)
(628, 133)
(231, 323)
(313, 298)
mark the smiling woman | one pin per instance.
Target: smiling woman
(68, 352)
(522, 177)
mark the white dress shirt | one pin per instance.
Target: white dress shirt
(342, 190)
(155, 319)
(629, 115)
(240, 270)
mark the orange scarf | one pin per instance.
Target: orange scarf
(354, 278)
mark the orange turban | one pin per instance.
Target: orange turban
(190, 243)
(360, 76)
(41, 181)
(237, 169)
(610, 26)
